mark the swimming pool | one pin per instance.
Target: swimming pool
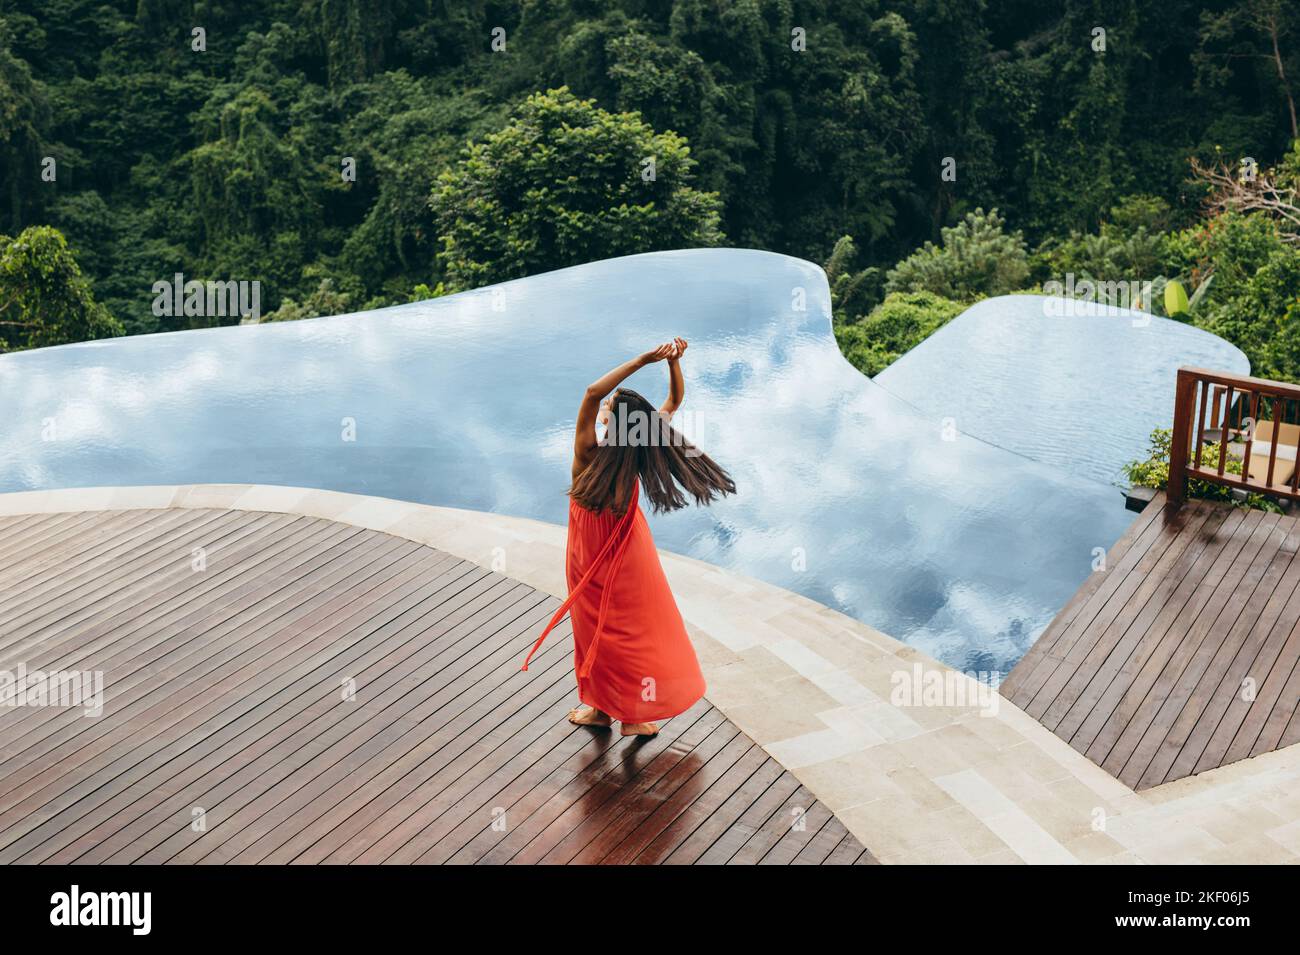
(847, 493)
(1073, 384)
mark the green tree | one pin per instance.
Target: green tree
(976, 258)
(900, 322)
(24, 111)
(852, 292)
(404, 132)
(809, 120)
(44, 299)
(1262, 33)
(1130, 246)
(566, 182)
(1253, 301)
(258, 194)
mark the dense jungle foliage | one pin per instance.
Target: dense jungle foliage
(929, 152)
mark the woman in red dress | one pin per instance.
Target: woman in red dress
(634, 661)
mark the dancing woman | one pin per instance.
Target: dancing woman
(634, 661)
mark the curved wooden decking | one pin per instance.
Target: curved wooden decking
(281, 688)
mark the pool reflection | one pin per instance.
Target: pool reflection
(847, 494)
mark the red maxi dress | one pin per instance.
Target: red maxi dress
(633, 658)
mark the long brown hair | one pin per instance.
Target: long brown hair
(639, 442)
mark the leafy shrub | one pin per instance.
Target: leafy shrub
(1140, 212)
(852, 293)
(1255, 299)
(325, 300)
(1153, 472)
(977, 259)
(897, 324)
(1109, 256)
(44, 298)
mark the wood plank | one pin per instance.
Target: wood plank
(786, 840)
(56, 534)
(173, 624)
(1291, 735)
(1284, 710)
(1143, 670)
(775, 801)
(1144, 631)
(710, 806)
(1222, 681)
(1277, 649)
(186, 661)
(63, 531)
(615, 798)
(1100, 655)
(191, 747)
(533, 791)
(822, 845)
(846, 853)
(433, 730)
(163, 851)
(1037, 686)
(1078, 662)
(1178, 681)
(225, 696)
(1131, 715)
(264, 702)
(1238, 738)
(294, 695)
(193, 696)
(683, 786)
(563, 799)
(464, 818)
(729, 817)
(39, 602)
(104, 600)
(454, 818)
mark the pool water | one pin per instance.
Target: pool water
(1075, 385)
(847, 493)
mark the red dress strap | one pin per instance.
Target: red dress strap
(617, 561)
(622, 528)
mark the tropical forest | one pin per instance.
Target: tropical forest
(352, 154)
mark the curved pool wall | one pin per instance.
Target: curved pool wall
(847, 494)
(1072, 384)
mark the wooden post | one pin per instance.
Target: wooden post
(1184, 401)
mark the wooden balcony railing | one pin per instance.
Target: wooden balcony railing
(1220, 419)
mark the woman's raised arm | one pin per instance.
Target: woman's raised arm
(676, 383)
(584, 439)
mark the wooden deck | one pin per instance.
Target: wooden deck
(321, 693)
(1182, 655)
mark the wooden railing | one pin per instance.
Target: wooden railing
(1251, 421)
